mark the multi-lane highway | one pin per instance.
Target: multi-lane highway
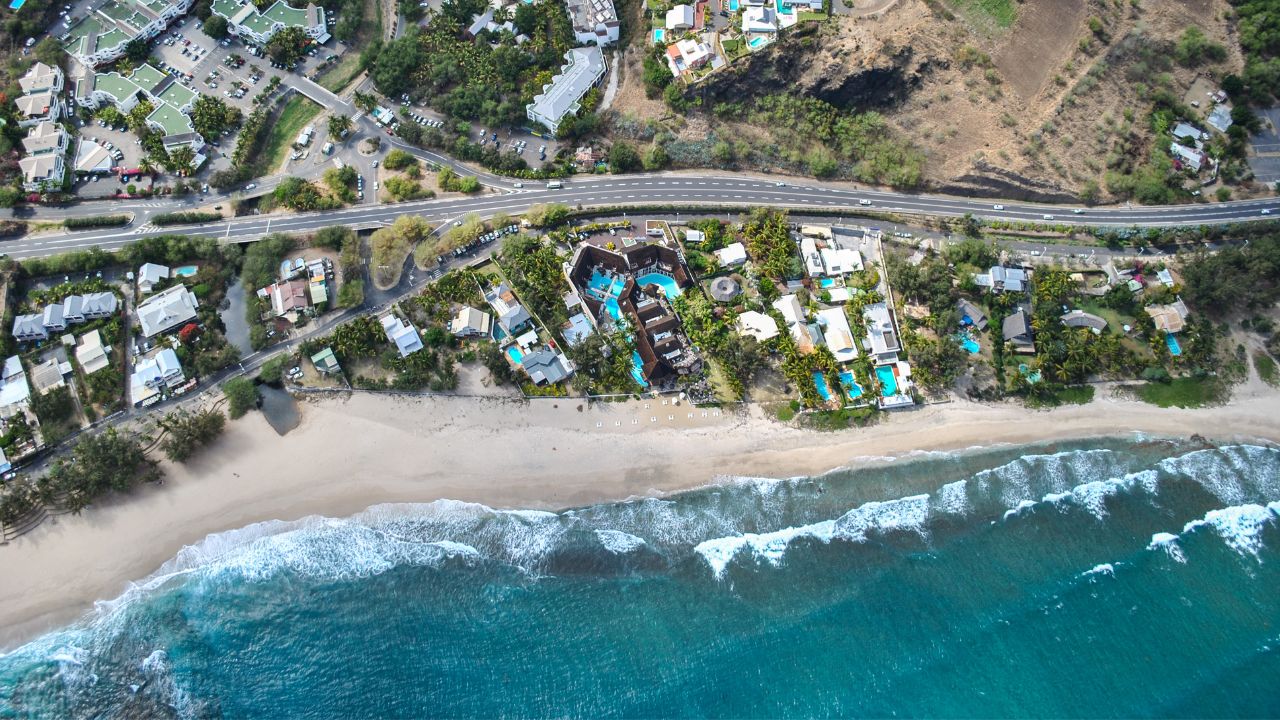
(694, 190)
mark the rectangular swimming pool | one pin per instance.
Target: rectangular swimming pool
(186, 271)
(827, 283)
(16, 4)
(820, 381)
(969, 343)
(514, 353)
(756, 42)
(1172, 342)
(888, 380)
(666, 282)
(659, 34)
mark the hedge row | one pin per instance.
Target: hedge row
(185, 218)
(96, 221)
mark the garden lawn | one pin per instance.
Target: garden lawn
(1266, 366)
(295, 115)
(1183, 392)
(983, 12)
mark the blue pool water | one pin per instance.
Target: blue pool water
(827, 283)
(968, 342)
(733, 5)
(667, 283)
(821, 382)
(659, 34)
(16, 4)
(186, 271)
(1174, 348)
(756, 42)
(514, 353)
(851, 386)
(607, 290)
(783, 9)
(637, 364)
(888, 381)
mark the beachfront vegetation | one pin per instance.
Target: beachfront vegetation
(185, 432)
(242, 396)
(106, 462)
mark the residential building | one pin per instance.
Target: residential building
(1190, 158)
(103, 33)
(882, 335)
(325, 362)
(47, 376)
(837, 334)
(28, 328)
(470, 322)
(52, 319)
(695, 236)
(99, 305)
(732, 255)
(1220, 118)
(42, 78)
(288, 296)
(1171, 318)
(680, 17)
(92, 158)
(152, 375)
(15, 394)
(1166, 277)
(166, 310)
(724, 289)
(318, 280)
(1080, 318)
(1017, 332)
(258, 27)
(172, 102)
(578, 328)
(841, 261)
(759, 20)
(43, 172)
(811, 5)
(971, 312)
(403, 335)
(38, 107)
(1190, 134)
(812, 258)
(688, 55)
(757, 325)
(511, 314)
(546, 367)
(45, 138)
(150, 275)
(91, 354)
(1001, 278)
(583, 68)
(594, 21)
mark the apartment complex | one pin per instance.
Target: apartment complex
(172, 101)
(258, 26)
(101, 36)
(583, 69)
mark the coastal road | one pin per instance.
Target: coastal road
(725, 192)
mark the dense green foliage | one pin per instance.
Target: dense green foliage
(1258, 25)
(185, 218)
(1235, 278)
(96, 221)
(770, 245)
(186, 432)
(101, 463)
(535, 271)
(241, 394)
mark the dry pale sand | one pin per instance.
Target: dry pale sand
(354, 452)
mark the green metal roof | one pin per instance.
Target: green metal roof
(147, 76)
(178, 95)
(114, 83)
(258, 24)
(173, 122)
(286, 15)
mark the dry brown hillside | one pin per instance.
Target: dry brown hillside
(1040, 107)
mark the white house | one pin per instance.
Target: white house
(841, 261)
(837, 334)
(759, 20)
(732, 255)
(46, 170)
(470, 322)
(882, 336)
(91, 353)
(757, 325)
(42, 78)
(151, 375)
(687, 55)
(103, 33)
(15, 393)
(166, 310)
(44, 106)
(583, 68)
(150, 275)
(680, 17)
(402, 334)
(812, 258)
(594, 21)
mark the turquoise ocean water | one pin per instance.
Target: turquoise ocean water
(1121, 578)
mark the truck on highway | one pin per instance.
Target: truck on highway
(555, 185)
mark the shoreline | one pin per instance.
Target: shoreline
(354, 452)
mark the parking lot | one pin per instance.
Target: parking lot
(535, 150)
(1266, 147)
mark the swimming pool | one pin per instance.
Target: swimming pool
(1172, 342)
(851, 386)
(637, 372)
(606, 289)
(733, 6)
(888, 380)
(186, 271)
(16, 4)
(969, 343)
(782, 8)
(666, 282)
(659, 34)
(827, 283)
(514, 353)
(820, 381)
(756, 42)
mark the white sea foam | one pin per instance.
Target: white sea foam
(1240, 526)
(1019, 509)
(1098, 570)
(1031, 476)
(953, 498)
(1169, 543)
(1235, 474)
(618, 542)
(909, 513)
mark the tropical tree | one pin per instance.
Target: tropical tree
(181, 159)
(339, 125)
(365, 101)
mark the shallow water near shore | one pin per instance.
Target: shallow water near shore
(1108, 578)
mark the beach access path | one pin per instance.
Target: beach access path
(351, 452)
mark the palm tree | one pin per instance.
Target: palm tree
(339, 125)
(146, 167)
(364, 101)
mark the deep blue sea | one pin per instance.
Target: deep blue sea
(1120, 578)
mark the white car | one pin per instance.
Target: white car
(1266, 211)
(518, 185)
(997, 207)
(1048, 217)
(1078, 211)
(250, 186)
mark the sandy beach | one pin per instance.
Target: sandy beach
(353, 452)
